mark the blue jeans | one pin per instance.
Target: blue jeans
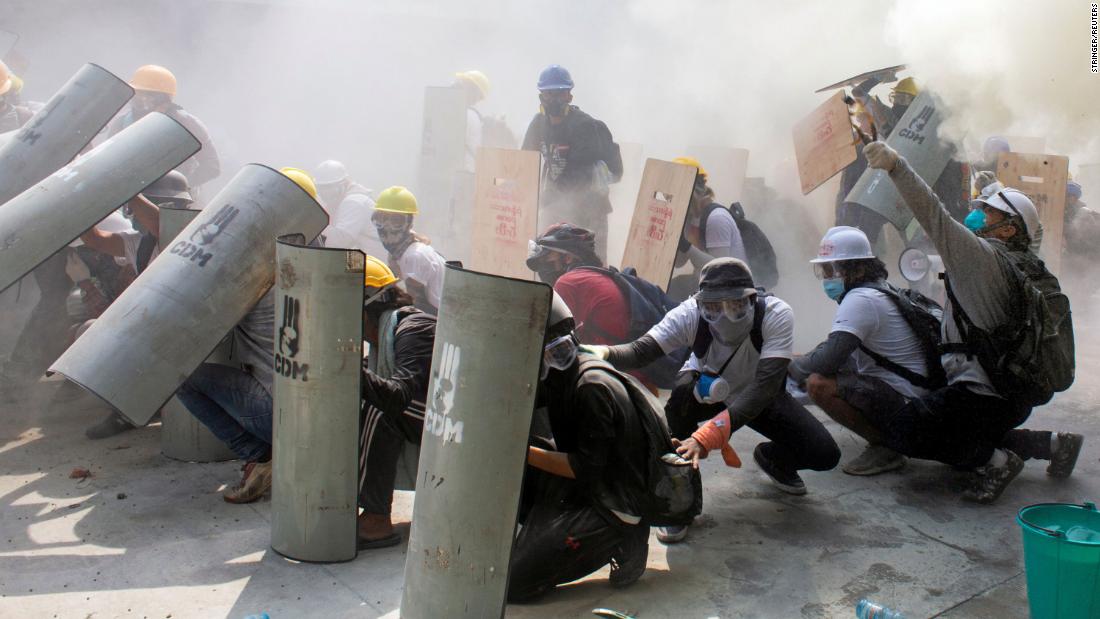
(233, 405)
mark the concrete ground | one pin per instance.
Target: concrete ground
(146, 536)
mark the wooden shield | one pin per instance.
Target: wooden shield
(506, 202)
(1043, 179)
(824, 143)
(658, 222)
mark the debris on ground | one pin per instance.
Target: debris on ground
(80, 473)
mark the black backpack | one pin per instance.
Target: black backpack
(648, 305)
(1031, 356)
(609, 152)
(925, 317)
(674, 494)
(758, 249)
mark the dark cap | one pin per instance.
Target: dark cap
(172, 185)
(723, 279)
(567, 238)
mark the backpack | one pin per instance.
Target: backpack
(648, 305)
(758, 249)
(674, 494)
(703, 336)
(925, 317)
(1031, 356)
(609, 152)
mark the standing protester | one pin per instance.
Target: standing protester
(475, 87)
(583, 506)
(580, 158)
(412, 259)
(155, 89)
(994, 285)
(12, 115)
(349, 205)
(395, 389)
(742, 342)
(886, 117)
(1080, 252)
(873, 359)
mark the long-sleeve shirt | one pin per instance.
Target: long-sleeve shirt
(407, 387)
(570, 149)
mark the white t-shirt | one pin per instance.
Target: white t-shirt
(350, 225)
(423, 264)
(872, 317)
(131, 240)
(722, 234)
(677, 330)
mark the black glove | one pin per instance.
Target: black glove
(683, 246)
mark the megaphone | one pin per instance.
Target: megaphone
(914, 264)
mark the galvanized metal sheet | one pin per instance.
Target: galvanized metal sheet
(915, 138)
(318, 360)
(156, 333)
(48, 216)
(485, 366)
(61, 129)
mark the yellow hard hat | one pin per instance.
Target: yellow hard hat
(477, 78)
(16, 84)
(5, 79)
(907, 86)
(154, 78)
(377, 274)
(692, 161)
(302, 179)
(397, 199)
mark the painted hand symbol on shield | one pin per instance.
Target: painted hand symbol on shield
(211, 229)
(444, 392)
(288, 333)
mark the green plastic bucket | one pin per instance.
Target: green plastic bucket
(1062, 560)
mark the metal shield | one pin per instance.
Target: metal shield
(64, 126)
(156, 333)
(48, 216)
(485, 367)
(915, 138)
(318, 365)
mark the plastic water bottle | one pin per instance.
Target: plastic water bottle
(866, 609)
(259, 616)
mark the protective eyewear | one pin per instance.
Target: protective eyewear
(826, 270)
(560, 353)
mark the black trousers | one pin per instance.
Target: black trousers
(956, 426)
(797, 439)
(382, 439)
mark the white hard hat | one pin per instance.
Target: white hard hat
(1015, 202)
(843, 243)
(330, 172)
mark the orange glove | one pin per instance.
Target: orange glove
(715, 434)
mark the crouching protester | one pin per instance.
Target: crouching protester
(235, 402)
(873, 361)
(395, 387)
(742, 342)
(592, 492)
(1008, 340)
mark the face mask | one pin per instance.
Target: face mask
(975, 221)
(550, 275)
(834, 287)
(554, 107)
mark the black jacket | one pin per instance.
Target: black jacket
(408, 387)
(569, 149)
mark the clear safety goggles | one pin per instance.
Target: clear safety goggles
(735, 309)
(826, 270)
(560, 353)
(390, 222)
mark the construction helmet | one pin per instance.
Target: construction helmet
(5, 79)
(477, 78)
(1015, 203)
(154, 78)
(843, 243)
(563, 238)
(302, 179)
(692, 161)
(560, 320)
(1073, 188)
(555, 77)
(995, 144)
(397, 199)
(907, 86)
(172, 185)
(330, 172)
(377, 274)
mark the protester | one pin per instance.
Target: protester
(350, 206)
(13, 115)
(411, 258)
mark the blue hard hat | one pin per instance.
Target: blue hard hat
(1073, 188)
(555, 77)
(996, 144)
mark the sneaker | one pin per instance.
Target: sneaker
(255, 482)
(111, 425)
(874, 460)
(990, 481)
(1064, 458)
(628, 562)
(788, 482)
(672, 535)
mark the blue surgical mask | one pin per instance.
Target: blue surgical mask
(834, 287)
(975, 220)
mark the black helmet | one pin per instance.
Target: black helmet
(567, 238)
(560, 320)
(171, 186)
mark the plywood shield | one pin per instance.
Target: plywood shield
(168, 321)
(824, 143)
(49, 215)
(481, 398)
(318, 360)
(658, 223)
(506, 204)
(916, 138)
(61, 129)
(1043, 178)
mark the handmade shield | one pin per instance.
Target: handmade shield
(156, 333)
(1043, 178)
(485, 367)
(48, 216)
(506, 205)
(824, 143)
(318, 360)
(659, 214)
(64, 126)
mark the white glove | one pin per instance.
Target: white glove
(597, 351)
(984, 179)
(880, 156)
